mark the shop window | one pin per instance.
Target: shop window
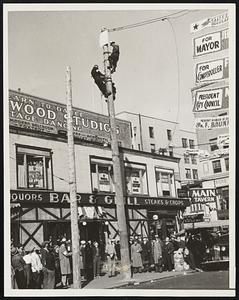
(195, 174)
(165, 182)
(34, 168)
(193, 159)
(224, 197)
(191, 144)
(152, 148)
(136, 179)
(213, 144)
(186, 159)
(184, 143)
(227, 163)
(102, 175)
(217, 166)
(188, 173)
(151, 132)
(169, 134)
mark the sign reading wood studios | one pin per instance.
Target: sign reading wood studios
(37, 114)
(91, 199)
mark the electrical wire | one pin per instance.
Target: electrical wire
(146, 22)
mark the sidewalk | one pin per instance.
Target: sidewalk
(104, 282)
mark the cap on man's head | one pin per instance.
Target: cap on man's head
(96, 66)
(156, 236)
(82, 242)
(13, 250)
(44, 244)
(63, 239)
(112, 43)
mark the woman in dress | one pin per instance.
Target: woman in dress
(64, 258)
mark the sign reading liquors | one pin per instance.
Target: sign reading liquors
(212, 123)
(36, 114)
(212, 70)
(211, 43)
(202, 195)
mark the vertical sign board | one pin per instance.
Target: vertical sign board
(212, 70)
(210, 43)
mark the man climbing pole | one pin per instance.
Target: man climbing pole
(100, 81)
(114, 57)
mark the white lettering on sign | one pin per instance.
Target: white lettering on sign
(202, 195)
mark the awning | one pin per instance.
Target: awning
(90, 212)
(207, 224)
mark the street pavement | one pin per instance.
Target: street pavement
(198, 280)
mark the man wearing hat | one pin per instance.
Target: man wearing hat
(83, 259)
(18, 264)
(36, 267)
(111, 254)
(48, 263)
(64, 258)
(114, 56)
(100, 81)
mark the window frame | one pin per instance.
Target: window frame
(169, 134)
(186, 169)
(160, 170)
(26, 171)
(151, 132)
(196, 173)
(226, 164)
(216, 161)
(193, 159)
(191, 144)
(186, 159)
(185, 145)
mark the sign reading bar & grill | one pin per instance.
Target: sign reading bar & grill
(206, 100)
(211, 43)
(36, 114)
(202, 195)
(212, 70)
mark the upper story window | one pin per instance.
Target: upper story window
(151, 132)
(188, 173)
(195, 174)
(165, 182)
(169, 134)
(34, 168)
(184, 143)
(170, 151)
(193, 159)
(134, 131)
(216, 164)
(136, 179)
(152, 148)
(213, 144)
(102, 175)
(191, 144)
(227, 163)
(186, 159)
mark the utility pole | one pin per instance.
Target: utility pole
(118, 184)
(72, 184)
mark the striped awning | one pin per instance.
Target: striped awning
(90, 212)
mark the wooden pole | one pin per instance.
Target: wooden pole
(72, 185)
(118, 184)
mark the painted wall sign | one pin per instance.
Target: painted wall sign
(206, 100)
(38, 114)
(202, 195)
(212, 70)
(209, 22)
(24, 196)
(211, 43)
(221, 182)
(212, 123)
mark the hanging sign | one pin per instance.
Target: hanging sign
(212, 123)
(193, 218)
(212, 70)
(210, 43)
(209, 22)
(202, 195)
(207, 100)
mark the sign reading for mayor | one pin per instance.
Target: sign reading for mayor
(209, 22)
(207, 100)
(212, 123)
(212, 70)
(37, 114)
(211, 43)
(202, 195)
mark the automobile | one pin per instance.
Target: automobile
(217, 254)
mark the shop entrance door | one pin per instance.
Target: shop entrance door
(92, 231)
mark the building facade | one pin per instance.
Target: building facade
(39, 187)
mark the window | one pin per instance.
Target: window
(170, 150)
(169, 134)
(135, 131)
(227, 163)
(186, 159)
(223, 193)
(165, 182)
(213, 144)
(34, 168)
(195, 174)
(151, 132)
(216, 166)
(191, 144)
(136, 179)
(184, 143)
(193, 159)
(102, 175)
(188, 173)
(139, 146)
(152, 147)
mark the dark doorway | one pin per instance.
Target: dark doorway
(57, 230)
(92, 231)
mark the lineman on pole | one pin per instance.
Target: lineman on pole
(118, 181)
(114, 56)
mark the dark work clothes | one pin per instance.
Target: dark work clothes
(114, 57)
(96, 261)
(89, 261)
(99, 79)
(117, 250)
(48, 263)
(18, 264)
(168, 256)
(189, 259)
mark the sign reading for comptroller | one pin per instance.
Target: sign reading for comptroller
(211, 43)
(40, 115)
(212, 70)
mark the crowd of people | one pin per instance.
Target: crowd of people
(51, 266)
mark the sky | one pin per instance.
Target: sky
(154, 76)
